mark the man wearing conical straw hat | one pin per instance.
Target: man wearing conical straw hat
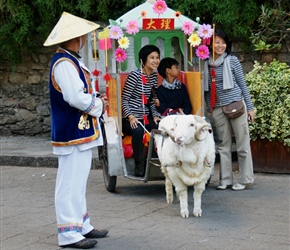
(75, 130)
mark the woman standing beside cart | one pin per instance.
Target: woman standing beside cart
(229, 87)
(137, 103)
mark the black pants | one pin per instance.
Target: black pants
(137, 133)
(137, 143)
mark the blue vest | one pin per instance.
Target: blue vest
(70, 126)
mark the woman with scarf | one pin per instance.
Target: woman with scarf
(224, 83)
(172, 94)
(137, 103)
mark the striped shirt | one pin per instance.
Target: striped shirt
(132, 95)
(238, 92)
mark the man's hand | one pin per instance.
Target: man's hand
(105, 101)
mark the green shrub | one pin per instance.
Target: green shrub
(269, 86)
(273, 29)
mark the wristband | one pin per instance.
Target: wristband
(130, 117)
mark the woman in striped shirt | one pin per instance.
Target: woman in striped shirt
(137, 103)
(230, 87)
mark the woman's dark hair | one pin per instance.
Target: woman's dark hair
(224, 36)
(166, 63)
(145, 51)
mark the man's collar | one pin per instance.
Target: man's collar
(73, 53)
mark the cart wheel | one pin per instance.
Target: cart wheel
(110, 181)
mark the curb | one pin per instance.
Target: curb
(31, 161)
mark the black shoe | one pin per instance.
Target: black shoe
(96, 233)
(82, 244)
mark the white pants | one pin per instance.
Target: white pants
(70, 196)
(224, 128)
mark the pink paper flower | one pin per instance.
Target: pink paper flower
(159, 7)
(202, 52)
(132, 27)
(116, 32)
(120, 55)
(187, 28)
(205, 31)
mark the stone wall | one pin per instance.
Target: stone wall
(24, 95)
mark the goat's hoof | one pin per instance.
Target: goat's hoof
(169, 200)
(197, 212)
(184, 213)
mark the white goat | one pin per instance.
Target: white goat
(186, 157)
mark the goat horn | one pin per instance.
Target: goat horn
(171, 136)
(198, 131)
(181, 112)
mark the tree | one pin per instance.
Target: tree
(25, 24)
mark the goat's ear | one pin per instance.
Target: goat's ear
(202, 131)
(174, 121)
(200, 119)
(198, 113)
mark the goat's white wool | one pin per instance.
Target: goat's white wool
(185, 156)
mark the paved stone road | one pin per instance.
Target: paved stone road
(138, 217)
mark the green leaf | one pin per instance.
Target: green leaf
(269, 87)
(113, 22)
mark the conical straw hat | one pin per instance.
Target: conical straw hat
(69, 27)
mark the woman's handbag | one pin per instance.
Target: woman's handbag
(234, 109)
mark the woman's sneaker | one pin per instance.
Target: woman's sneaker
(238, 187)
(223, 187)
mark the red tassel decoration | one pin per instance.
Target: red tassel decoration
(213, 88)
(97, 85)
(96, 73)
(213, 73)
(212, 94)
(107, 77)
(208, 41)
(144, 81)
(107, 91)
(144, 99)
(145, 119)
(144, 139)
(205, 41)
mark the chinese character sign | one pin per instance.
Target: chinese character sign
(158, 24)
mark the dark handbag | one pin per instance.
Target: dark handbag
(234, 109)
